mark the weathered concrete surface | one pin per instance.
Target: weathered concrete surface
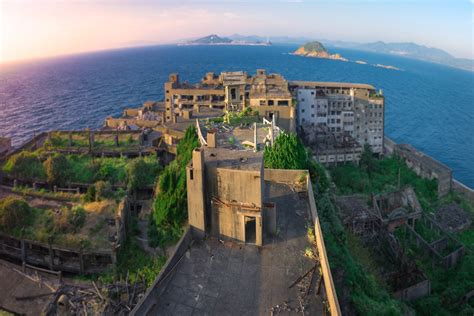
(13, 285)
(217, 278)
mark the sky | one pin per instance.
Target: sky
(42, 28)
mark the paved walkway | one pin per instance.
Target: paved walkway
(236, 279)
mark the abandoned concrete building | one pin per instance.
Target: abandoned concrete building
(268, 94)
(397, 208)
(331, 148)
(347, 111)
(350, 108)
(241, 217)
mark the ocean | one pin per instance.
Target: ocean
(427, 105)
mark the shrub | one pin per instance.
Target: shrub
(25, 165)
(103, 190)
(170, 205)
(288, 152)
(90, 194)
(70, 220)
(14, 214)
(57, 170)
(142, 172)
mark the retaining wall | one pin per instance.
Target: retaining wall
(414, 292)
(149, 300)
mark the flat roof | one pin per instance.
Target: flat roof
(233, 159)
(332, 84)
(228, 278)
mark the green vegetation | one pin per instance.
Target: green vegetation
(245, 117)
(378, 176)
(315, 47)
(25, 165)
(170, 205)
(60, 169)
(288, 152)
(68, 226)
(142, 172)
(15, 214)
(366, 294)
(106, 142)
(448, 286)
(60, 196)
(57, 169)
(135, 262)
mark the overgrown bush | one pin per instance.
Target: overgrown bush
(170, 205)
(57, 170)
(25, 165)
(15, 214)
(142, 172)
(367, 296)
(288, 152)
(103, 190)
(70, 220)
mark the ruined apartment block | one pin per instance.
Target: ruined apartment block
(344, 112)
(337, 118)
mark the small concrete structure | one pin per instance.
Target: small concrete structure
(453, 218)
(225, 195)
(397, 208)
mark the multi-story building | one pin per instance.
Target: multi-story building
(355, 110)
(347, 110)
(268, 94)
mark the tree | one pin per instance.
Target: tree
(57, 169)
(288, 152)
(367, 160)
(170, 205)
(137, 172)
(14, 214)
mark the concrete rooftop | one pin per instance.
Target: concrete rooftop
(216, 278)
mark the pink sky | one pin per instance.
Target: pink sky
(40, 28)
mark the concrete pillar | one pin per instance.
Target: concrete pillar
(211, 139)
(51, 258)
(195, 187)
(23, 252)
(81, 262)
(259, 231)
(255, 148)
(187, 114)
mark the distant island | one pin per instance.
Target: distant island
(316, 49)
(409, 50)
(214, 39)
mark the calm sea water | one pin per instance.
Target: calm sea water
(427, 105)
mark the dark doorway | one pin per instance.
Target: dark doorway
(250, 230)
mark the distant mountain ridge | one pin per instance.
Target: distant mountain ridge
(405, 49)
(410, 50)
(215, 39)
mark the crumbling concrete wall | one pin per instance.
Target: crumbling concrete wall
(150, 299)
(414, 292)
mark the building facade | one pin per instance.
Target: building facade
(349, 109)
(351, 114)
